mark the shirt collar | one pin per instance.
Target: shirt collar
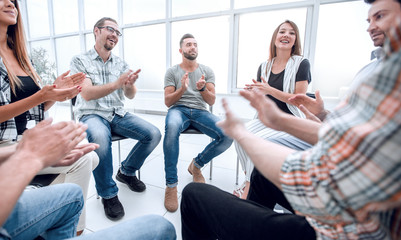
(377, 53)
(94, 55)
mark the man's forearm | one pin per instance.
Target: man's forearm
(96, 92)
(16, 172)
(172, 98)
(303, 129)
(130, 91)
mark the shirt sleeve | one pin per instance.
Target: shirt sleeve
(304, 72)
(169, 79)
(76, 66)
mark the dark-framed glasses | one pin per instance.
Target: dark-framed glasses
(112, 30)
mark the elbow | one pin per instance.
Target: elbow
(168, 104)
(86, 97)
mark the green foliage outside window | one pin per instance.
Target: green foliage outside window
(43, 66)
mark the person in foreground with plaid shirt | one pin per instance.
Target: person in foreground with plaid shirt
(347, 186)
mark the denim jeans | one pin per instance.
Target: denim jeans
(51, 212)
(177, 120)
(99, 131)
(149, 227)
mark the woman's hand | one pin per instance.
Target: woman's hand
(64, 81)
(51, 93)
(263, 86)
(232, 126)
(268, 112)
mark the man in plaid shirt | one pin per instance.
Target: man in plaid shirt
(347, 186)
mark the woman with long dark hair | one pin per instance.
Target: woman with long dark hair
(22, 97)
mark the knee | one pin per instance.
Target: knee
(155, 135)
(162, 227)
(226, 141)
(192, 190)
(72, 191)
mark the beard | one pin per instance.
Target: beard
(190, 57)
(108, 47)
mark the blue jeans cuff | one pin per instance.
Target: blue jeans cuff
(172, 185)
(197, 164)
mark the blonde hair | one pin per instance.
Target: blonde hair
(296, 49)
(16, 42)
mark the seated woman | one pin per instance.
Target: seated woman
(288, 73)
(22, 99)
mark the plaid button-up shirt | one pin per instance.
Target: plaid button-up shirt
(100, 73)
(8, 130)
(348, 186)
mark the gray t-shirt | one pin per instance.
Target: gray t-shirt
(191, 98)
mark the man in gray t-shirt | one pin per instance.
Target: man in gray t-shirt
(188, 87)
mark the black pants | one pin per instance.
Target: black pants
(210, 213)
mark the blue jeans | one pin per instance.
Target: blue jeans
(51, 212)
(177, 120)
(99, 131)
(149, 227)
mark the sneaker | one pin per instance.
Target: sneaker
(113, 208)
(171, 199)
(196, 173)
(133, 182)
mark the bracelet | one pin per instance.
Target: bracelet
(202, 89)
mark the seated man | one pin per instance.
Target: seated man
(100, 106)
(188, 86)
(53, 212)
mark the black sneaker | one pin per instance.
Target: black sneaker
(133, 182)
(113, 208)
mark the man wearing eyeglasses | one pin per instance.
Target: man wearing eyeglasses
(100, 105)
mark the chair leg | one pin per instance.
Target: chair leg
(211, 169)
(119, 154)
(237, 172)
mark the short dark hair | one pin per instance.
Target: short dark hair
(372, 1)
(101, 21)
(187, 35)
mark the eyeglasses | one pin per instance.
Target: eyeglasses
(112, 30)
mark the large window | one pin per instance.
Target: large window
(189, 7)
(233, 35)
(145, 49)
(37, 15)
(342, 46)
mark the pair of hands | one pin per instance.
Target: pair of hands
(64, 87)
(201, 83)
(54, 144)
(263, 86)
(268, 112)
(312, 108)
(127, 79)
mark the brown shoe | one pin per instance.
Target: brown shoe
(171, 199)
(196, 173)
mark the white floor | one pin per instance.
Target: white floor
(152, 174)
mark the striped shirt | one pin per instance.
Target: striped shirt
(100, 73)
(348, 186)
